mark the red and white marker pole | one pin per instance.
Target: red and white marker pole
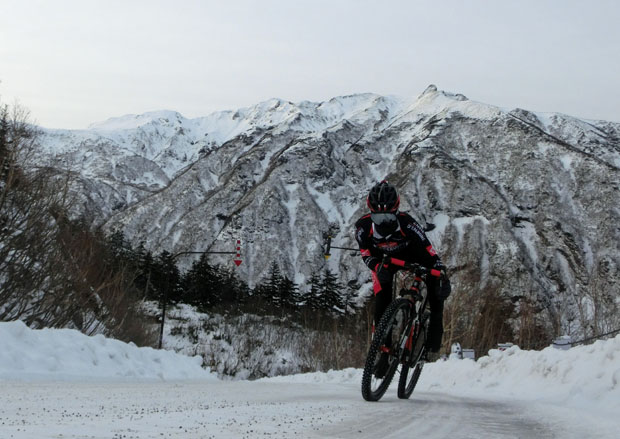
(237, 259)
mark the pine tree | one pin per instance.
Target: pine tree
(166, 278)
(350, 294)
(233, 289)
(289, 293)
(201, 284)
(311, 299)
(329, 293)
(268, 292)
(145, 263)
(122, 250)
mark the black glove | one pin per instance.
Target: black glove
(439, 266)
(383, 272)
(445, 288)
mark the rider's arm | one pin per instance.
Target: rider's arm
(425, 252)
(362, 236)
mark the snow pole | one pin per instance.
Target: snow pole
(237, 259)
(328, 246)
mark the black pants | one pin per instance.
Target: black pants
(384, 297)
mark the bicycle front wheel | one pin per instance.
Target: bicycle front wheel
(384, 355)
(411, 370)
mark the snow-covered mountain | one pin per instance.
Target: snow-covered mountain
(525, 203)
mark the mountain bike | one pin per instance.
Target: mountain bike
(399, 338)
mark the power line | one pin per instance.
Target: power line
(596, 337)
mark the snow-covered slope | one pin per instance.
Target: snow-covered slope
(525, 203)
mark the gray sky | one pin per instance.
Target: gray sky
(74, 62)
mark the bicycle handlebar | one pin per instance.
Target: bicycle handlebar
(413, 267)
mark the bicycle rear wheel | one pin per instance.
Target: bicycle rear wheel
(385, 343)
(411, 370)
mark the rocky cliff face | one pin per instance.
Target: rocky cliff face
(524, 203)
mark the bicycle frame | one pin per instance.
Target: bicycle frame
(413, 325)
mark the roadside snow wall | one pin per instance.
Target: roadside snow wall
(66, 354)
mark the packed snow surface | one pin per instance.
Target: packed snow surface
(60, 383)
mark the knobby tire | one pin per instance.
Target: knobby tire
(408, 381)
(386, 327)
(411, 370)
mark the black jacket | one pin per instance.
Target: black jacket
(408, 243)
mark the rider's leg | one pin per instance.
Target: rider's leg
(435, 326)
(382, 283)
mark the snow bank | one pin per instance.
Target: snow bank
(582, 377)
(65, 354)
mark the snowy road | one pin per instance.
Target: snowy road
(268, 408)
(60, 384)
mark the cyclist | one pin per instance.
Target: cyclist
(386, 231)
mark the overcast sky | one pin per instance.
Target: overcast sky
(74, 62)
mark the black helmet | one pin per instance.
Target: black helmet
(383, 197)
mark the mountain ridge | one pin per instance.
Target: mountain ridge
(525, 202)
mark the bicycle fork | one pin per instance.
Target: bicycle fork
(413, 294)
(409, 340)
(406, 344)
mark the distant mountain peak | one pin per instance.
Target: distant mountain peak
(432, 88)
(133, 121)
